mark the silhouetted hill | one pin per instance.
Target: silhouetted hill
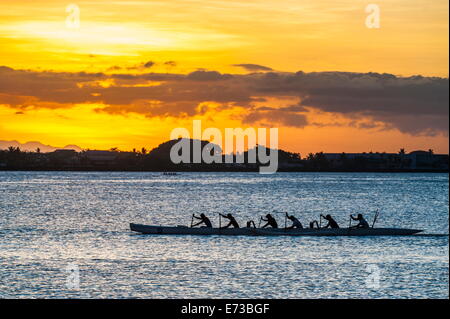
(33, 146)
(162, 151)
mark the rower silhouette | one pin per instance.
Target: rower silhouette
(314, 223)
(295, 222)
(232, 220)
(331, 222)
(362, 221)
(203, 220)
(270, 221)
(251, 224)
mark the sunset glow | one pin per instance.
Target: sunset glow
(134, 70)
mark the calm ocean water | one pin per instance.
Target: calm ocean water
(65, 234)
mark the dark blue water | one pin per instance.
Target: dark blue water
(65, 234)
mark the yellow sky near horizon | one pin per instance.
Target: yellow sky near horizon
(287, 36)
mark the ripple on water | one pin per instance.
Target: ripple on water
(50, 220)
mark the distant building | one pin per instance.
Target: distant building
(341, 156)
(64, 152)
(427, 160)
(413, 160)
(62, 157)
(100, 157)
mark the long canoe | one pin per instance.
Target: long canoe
(184, 230)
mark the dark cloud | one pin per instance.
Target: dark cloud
(415, 105)
(140, 66)
(253, 67)
(170, 63)
(291, 108)
(114, 68)
(366, 125)
(149, 64)
(207, 76)
(285, 116)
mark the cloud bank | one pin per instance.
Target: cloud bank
(253, 67)
(415, 105)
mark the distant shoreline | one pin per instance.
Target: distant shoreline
(160, 160)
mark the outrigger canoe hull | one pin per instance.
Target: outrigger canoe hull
(184, 230)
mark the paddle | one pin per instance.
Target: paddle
(192, 220)
(285, 217)
(285, 221)
(375, 218)
(350, 223)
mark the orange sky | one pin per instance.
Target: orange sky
(182, 36)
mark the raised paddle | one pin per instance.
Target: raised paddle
(375, 218)
(285, 221)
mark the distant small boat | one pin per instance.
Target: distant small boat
(170, 173)
(184, 230)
